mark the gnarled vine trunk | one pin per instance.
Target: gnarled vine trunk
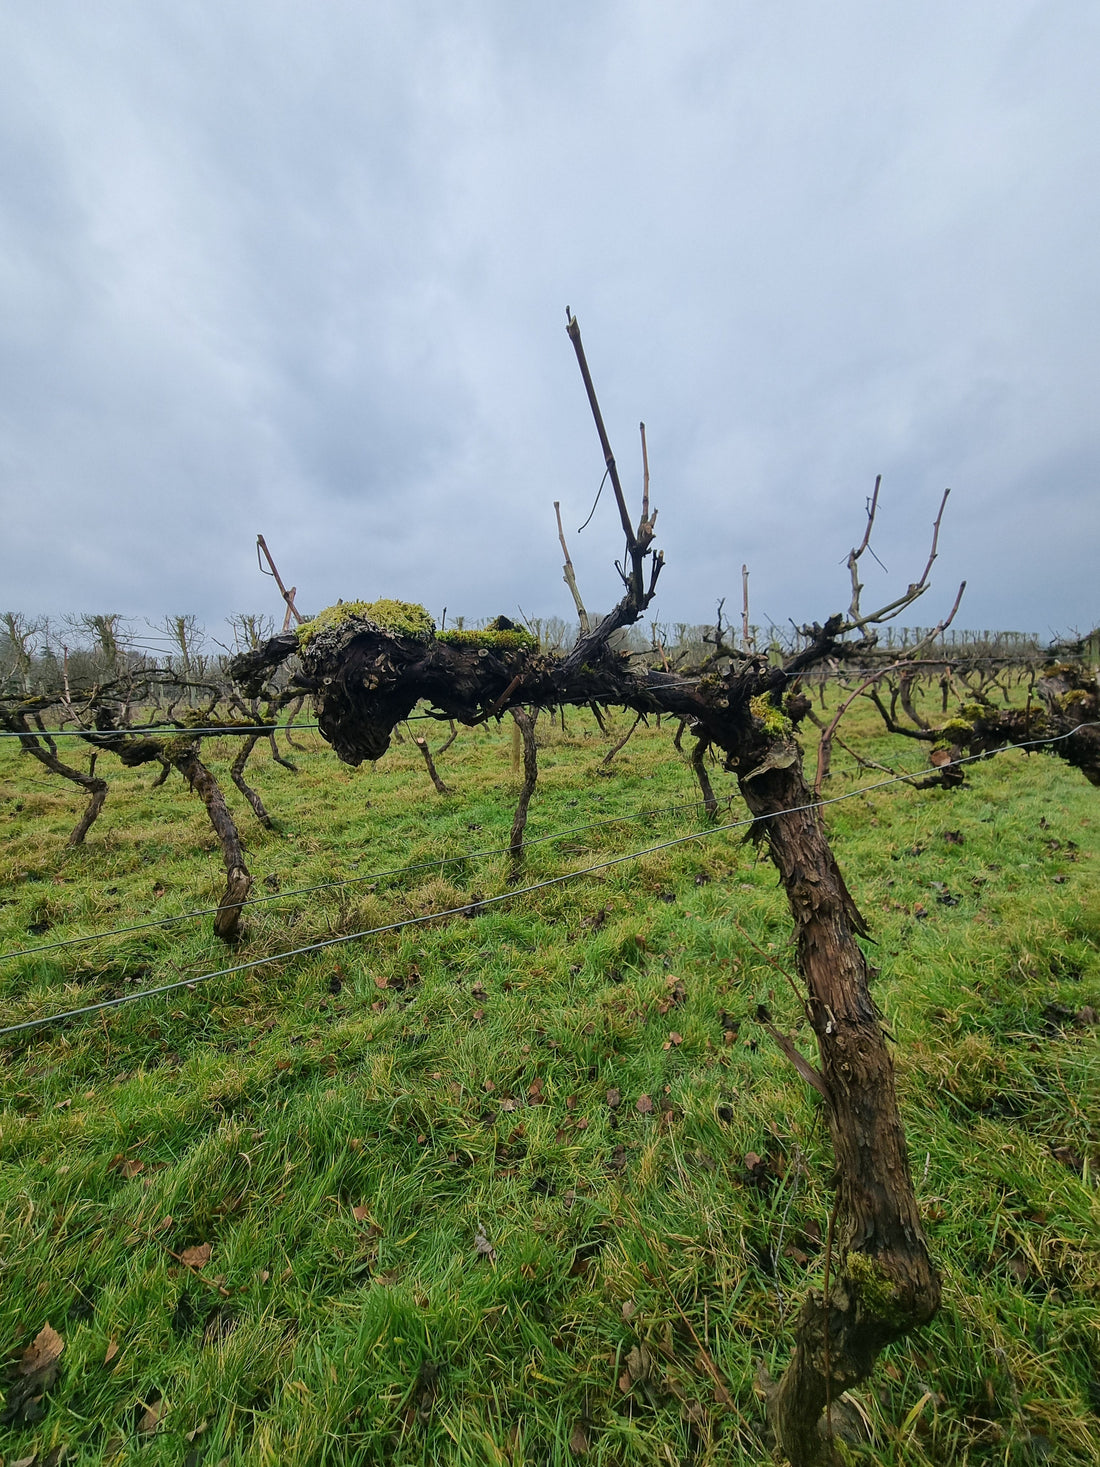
(883, 1281)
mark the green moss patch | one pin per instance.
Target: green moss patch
(501, 635)
(511, 641)
(773, 718)
(404, 618)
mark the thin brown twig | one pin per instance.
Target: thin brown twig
(779, 968)
(574, 332)
(288, 596)
(645, 475)
(569, 575)
(857, 551)
(745, 608)
(912, 591)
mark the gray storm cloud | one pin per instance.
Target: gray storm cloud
(306, 273)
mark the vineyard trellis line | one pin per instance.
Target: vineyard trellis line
(466, 907)
(441, 861)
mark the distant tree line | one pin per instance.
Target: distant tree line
(42, 654)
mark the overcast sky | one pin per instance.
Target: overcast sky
(303, 269)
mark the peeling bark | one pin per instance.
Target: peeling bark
(441, 788)
(525, 722)
(236, 773)
(238, 878)
(181, 752)
(884, 1281)
(42, 748)
(702, 744)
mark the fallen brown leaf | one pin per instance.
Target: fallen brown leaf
(126, 1166)
(32, 1377)
(695, 1413)
(614, 1099)
(578, 1442)
(644, 1105)
(639, 1363)
(112, 1351)
(197, 1256)
(42, 1353)
(152, 1417)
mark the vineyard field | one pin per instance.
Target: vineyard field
(529, 1183)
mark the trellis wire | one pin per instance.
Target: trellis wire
(278, 896)
(482, 902)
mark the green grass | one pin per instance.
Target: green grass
(343, 1129)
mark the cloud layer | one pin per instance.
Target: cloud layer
(304, 271)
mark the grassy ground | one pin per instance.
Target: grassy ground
(529, 1186)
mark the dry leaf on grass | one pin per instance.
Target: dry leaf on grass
(152, 1416)
(198, 1256)
(644, 1105)
(578, 1442)
(639, 1362)
(125, 1166)
(42, 1353)
(34, 1374)
(482, 1247)
(112, 1351)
